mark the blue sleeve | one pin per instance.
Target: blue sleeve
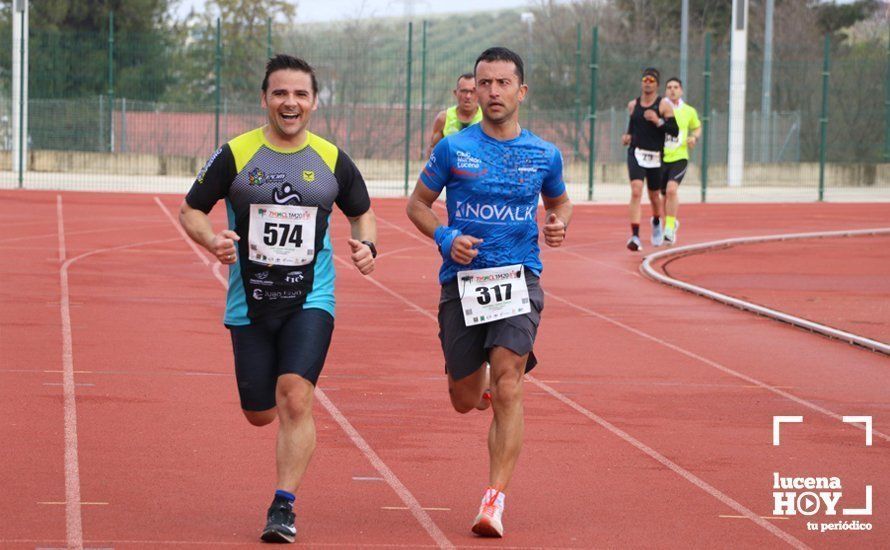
(438, 169)
(553, 185)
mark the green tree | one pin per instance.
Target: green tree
(244, 30)
(69, 48)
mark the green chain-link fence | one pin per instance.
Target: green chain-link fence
(110, 109)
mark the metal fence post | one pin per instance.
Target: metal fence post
(887, 106)
(591, 115)
(706, 120)
(577, 93)
(423, 86)
(823, 120)
(111, 81)
(218, 82)
(408, 109)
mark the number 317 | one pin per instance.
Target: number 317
(485, 293)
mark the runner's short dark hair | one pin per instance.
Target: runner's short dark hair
(499, 53)
(465, 76)
(674, 79)
(283, 61)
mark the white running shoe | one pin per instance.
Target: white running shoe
(633, 243)
(489, 520)
(657, 233)
(670, 235)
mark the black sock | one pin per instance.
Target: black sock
(283, 498)
(635, 227)
(656, 220)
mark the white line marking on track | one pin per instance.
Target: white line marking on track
(357, 478)
(73, 521)
(181, 231)
(73, 524)
(404, 494)
(647, 269)
(685, 474)
(82, 503)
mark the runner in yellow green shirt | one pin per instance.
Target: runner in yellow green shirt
(457, 117)
(676, 155)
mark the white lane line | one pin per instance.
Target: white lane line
(676, 468)
(392, 480)
(181, 231)
(73, 523)
(714, 364)
(651, 272)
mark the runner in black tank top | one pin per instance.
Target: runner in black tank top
(651, 117)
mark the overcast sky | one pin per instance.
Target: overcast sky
(333, 10)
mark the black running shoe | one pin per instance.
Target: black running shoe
(279, 524)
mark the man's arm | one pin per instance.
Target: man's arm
(197, 225)
(669, 125)
(363, 228)
(451, 242)
(438, 126)
(559, 214)
(625, 139)
(420, 209)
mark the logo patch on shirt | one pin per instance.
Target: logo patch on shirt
(308, 176)
(203, 171)
(256, 177)
(494, 213)
(466, 160)
(286, 195)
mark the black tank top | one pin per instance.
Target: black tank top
(644, 134)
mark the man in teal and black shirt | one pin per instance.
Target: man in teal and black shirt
(280, 184)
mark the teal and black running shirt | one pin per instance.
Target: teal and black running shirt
(493, 189)
(279, 203)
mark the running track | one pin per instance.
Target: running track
(648, 422)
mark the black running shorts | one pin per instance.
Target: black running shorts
(637, 172)
(673, 171)
(466, 348)
(293, 344)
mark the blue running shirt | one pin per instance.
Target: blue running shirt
(492, 194)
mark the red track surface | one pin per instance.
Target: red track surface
(648, 421)
(841, 282)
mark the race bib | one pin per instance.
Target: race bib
(282, 234)
(647, 159)
(491, 294)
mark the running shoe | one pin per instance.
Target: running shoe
(657, 233)
(634, 243)
(279, 524)
(489, 521)
(670, 235)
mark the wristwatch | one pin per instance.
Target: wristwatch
(372, 247)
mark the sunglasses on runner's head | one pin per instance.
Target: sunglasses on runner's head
(649, 79)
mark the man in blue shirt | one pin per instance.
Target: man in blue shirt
(491, 298)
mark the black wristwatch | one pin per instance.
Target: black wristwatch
(372, 247)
